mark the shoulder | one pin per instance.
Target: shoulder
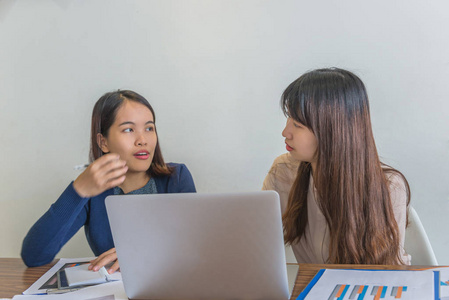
(180, 180)
(179, 169)
(395, 180)
(285, 160)
(284, 168)
(398, 187)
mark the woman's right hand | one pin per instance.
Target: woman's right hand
(105, 259)
(104, 173)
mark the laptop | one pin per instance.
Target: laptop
(200, 245)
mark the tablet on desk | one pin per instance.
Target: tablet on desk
(81, 276)
(75, 278)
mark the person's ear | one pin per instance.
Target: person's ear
(102, 142)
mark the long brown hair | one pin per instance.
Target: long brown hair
(103, 116)
(351, 182)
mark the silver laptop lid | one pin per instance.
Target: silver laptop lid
(200, 246)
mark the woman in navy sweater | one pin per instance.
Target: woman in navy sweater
(125, 158)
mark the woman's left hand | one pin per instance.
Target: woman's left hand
(105, 259)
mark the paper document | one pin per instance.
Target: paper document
(444, 282)
(331, 284)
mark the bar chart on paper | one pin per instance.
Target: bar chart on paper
(340, 284)
(358, 292)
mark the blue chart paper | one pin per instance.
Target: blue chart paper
(373, 285)
(444, 282)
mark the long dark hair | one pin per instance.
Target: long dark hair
(351, 182)
(103, 116)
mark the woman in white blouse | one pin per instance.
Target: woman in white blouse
(340, 203)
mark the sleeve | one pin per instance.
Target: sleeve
(184, 182)
(398, 196)
(281, 177)
(47, 236)
(269, 182)
(276, 180)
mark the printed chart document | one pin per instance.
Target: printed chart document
(332, 284)
(444, 282)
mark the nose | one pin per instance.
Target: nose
(286, 132)
(141, 141)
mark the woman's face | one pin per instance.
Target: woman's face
(300, 141)
(132, 136)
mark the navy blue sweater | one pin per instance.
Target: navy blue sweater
(71, 212)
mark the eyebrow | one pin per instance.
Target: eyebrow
(132, 123)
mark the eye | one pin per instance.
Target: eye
(297, 125)
(150, 128)
(128, 130)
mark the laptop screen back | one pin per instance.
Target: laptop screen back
(200, 246)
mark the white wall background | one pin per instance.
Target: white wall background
(214, 72)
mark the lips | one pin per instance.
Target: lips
(288, 147)
(142, 154)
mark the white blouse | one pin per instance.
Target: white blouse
(315, 247)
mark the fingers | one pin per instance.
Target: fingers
(107, 161)
(106, 172)
(112, 250)
(114, 182)
(103, 260)
(114, 267)
(108, 168)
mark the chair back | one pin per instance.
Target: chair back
(417, 243)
